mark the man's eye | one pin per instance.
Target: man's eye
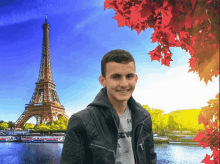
(129, 76)
(115, 77)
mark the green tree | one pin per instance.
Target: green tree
(28, 126)
(164, 123)
(61, 123)
(63, 120)
(41, 127)
(48, 123)
(156, 115)
(11, 124)
(172, 124)
(54, 126)
(3, 125)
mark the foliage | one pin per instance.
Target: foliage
(207, 125)
(192, 25)
(209, 117)
(183, 120)
(3, 125)
(10, 124)
(60, 124)
(28, 126)
(159, 121)
(42, 127)
(187, 120)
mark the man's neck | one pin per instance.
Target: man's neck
(120, 108)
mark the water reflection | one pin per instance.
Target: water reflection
(180, 154)
(50, 153)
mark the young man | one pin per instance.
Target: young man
(114, 128)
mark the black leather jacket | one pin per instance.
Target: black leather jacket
(92, 134)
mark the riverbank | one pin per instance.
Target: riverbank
(180, 142)
(175, 138)
(33, 139)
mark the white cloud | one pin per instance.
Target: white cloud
(90, 19)
(175, 89)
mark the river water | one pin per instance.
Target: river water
(50, 153)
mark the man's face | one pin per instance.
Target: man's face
(120, 81)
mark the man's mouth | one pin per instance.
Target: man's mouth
(124, 91)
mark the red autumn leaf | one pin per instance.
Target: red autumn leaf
(209, 131)
(166, 62)
(188, 21)
(193, 3)
(135, 14)
(216, 153)
(145, 12)
(205, 144)
(207, 160)
(166, 51)
(154, 37)
(120, 19)
(211, 35)
(120, 7)
(214, 46)
(138, 28)
(199, 136)
(166, 13)
(192, 62)
(155, 55)
(167, 55)
(215, 124)
(107, 3)
(216, 161)
(195, 22)
(183, 34)
(201, 119)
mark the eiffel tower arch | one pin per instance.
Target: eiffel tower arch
(44, 105)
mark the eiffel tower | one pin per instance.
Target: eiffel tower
(44, 105)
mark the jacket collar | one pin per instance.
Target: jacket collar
(101, 101)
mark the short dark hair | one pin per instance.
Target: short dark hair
(118, 56)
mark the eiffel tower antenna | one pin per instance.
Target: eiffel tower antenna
(44, 105)
(46, 17)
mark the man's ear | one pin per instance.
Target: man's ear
(136, 77)
(102, 81)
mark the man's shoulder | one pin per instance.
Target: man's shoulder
(142, 109)
(83, 114)
(79, 117)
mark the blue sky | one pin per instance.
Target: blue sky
(81, 32)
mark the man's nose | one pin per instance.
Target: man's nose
(123, 82)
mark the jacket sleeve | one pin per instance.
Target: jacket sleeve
(73, 151)
(153, 155)
(152, 152)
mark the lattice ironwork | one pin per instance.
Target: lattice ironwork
(44, 104)
(45, 67)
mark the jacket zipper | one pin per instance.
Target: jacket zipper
(104, 148)
(141, 145)
(117, 137)
(136, 160)
(137, 140)
(132, 137)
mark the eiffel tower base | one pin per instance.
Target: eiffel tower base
(43, 114)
